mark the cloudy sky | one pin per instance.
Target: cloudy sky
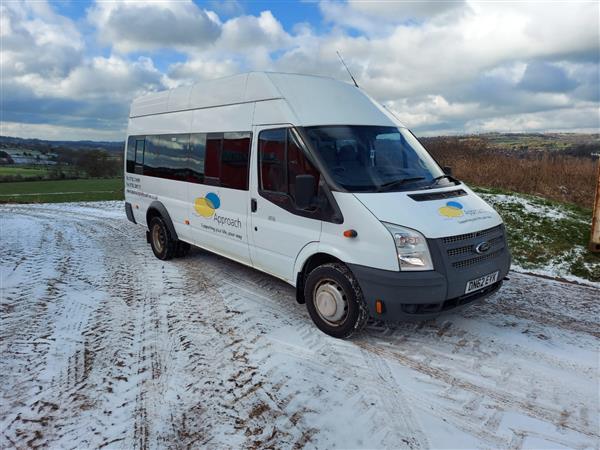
(69, 69)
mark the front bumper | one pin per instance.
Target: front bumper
(424, 295)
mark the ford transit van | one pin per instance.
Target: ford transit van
(310, 180)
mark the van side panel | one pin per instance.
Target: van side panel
(223, 118)
(373, 246)
(142, 190)
(272, 112)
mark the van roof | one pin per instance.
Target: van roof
(306, 95)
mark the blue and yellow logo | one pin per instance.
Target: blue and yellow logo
(207, 205)
(452, 209)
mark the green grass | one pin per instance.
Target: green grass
(61, 191)
(547, 235)
(34, 173)
(23, 171)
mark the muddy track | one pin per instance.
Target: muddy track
(103, 346)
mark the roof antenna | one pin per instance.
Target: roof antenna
(349, 73)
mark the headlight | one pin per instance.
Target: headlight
(412, 249)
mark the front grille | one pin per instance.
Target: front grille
(477, 234)
(472, 261)
(468, 249)
(459, 252)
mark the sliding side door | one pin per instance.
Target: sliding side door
(218, 195)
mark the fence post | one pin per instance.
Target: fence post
(595, 238)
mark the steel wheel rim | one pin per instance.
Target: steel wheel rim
(158, 238)
(330, 302)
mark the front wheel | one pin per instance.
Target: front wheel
(335, 301)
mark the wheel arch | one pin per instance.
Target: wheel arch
(306, 265)
(156, 208)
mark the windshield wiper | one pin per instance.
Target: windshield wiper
(436, 180)
(389, 185)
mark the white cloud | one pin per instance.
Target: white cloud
(379, 17)
(200, 69)
(36, 40)
(247, 32)
(583, 119)
(130, 26)
(441, 65)
(59, 133)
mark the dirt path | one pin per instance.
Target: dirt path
(102, 345)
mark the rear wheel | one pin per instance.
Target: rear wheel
(335, 301)
(163, 245)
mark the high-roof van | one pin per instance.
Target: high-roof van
(312, 181)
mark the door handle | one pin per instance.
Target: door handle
(253, 205)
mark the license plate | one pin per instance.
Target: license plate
(481, 282)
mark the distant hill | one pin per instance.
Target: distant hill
(40, 144)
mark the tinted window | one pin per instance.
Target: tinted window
(235, 157)
(212, 161)
(151, 156)
(164, 156)
(271, 146)
(130, 166)
(135, 154)
(282, 159)
(172, 159)
(197, 154)
(220, 159)
(298, 164)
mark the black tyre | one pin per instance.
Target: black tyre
(163, 245)
(335, 301)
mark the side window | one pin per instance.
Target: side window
(150, 157)
(140, 146)
(212, 161)
(130, 164)
(298, 164)
(272, 160)
(281, 160)
(172, 159)
(197, 156)
(235, 155)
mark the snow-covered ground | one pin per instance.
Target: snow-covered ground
(102, 345)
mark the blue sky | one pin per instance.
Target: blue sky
(71, 68)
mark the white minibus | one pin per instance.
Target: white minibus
(310, 180)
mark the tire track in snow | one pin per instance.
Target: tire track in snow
(105, 346)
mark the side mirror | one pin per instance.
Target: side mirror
(447, 170)
(305, 189)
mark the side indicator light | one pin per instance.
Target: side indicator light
(187, 222)
(137, 206)
(379, 306)
(350, 233)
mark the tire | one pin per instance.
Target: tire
(182, 249)
(163, 245)
(335, 301)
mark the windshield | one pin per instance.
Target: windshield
(374, 158)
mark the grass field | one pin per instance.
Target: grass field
(61, 191)
(547, 236)
(35, 173)
(23, 171)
